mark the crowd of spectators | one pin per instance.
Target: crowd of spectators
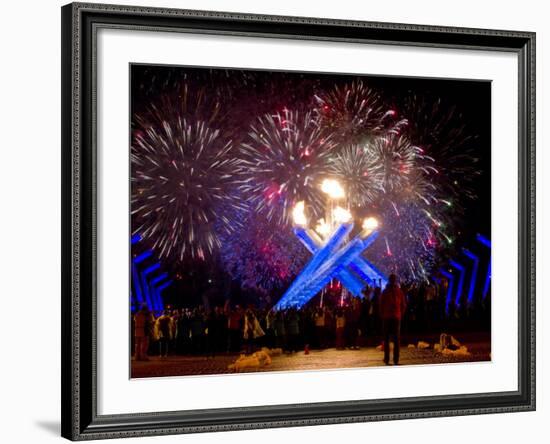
(348, 324)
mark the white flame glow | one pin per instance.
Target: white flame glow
(341, 215)
(322, 227)
(332, 188)
(298, 214)
(370, 223)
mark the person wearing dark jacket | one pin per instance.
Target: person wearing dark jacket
(392, 309)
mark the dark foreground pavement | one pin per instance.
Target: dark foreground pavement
(315, 360)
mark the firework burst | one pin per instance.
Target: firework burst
(354, 112)
(283, 161)
(219, 162)
(442, 133)
(415, 217)
(182, 176)
(359, 169)
(397, 158)
(408, 241)
(184, 100)
(405, 199)
(262, 256)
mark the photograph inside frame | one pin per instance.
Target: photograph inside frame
(293, 221)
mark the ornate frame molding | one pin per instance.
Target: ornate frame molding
(80, 22)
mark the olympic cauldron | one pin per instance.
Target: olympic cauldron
(334, 255)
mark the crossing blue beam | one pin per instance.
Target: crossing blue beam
(364, 270)
(450, 279)
(460, 285)
(368, 272)
(157, 300)
(322, 276)
(158, 291)
(487, 243)
(156, 287)
(313, 242)
(484, 240)
(473, 277)
(340, 259)
(137, 284)
(316, 260)
(165, 285)
(361, 266)
(487, 281)
(325, 264)
(152, 288)
(141, 257)
(143, 288)
(140, 278)
(149, 293)
(135, 273)
(146, 291)
(159, 278)
(151, 268)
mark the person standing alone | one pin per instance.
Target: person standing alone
(392, 308)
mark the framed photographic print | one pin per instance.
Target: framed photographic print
(281, 221)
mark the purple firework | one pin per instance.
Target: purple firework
(182, 174)
(284, 160)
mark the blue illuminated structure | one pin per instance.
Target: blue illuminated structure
(313, 243)
(155, 294)
(318, 258)
(159, 278)
(460, 285)
(487, 281)
(151, 268)
(137, 284)
(165, 285)
(141, 257)
(484, 240)
(450, 279)
(152, 300)
(331, 259)
(147, 284)
(364, 269)
(487, 243)
(159, 290)
(473, 276)
(140, 283)
(462, 269)
(368, 272)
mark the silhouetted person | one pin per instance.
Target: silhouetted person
(165, 330)
(252, 331)
(319, 320)
(280, 330)
(143, 326)
(392, 308)
(235, 324)
(292, 328)
(197, 327)
(374, 311)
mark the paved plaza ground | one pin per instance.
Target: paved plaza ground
(315, 360)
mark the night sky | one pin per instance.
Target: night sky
(232, 100)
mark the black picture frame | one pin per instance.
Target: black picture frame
(79, 170)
